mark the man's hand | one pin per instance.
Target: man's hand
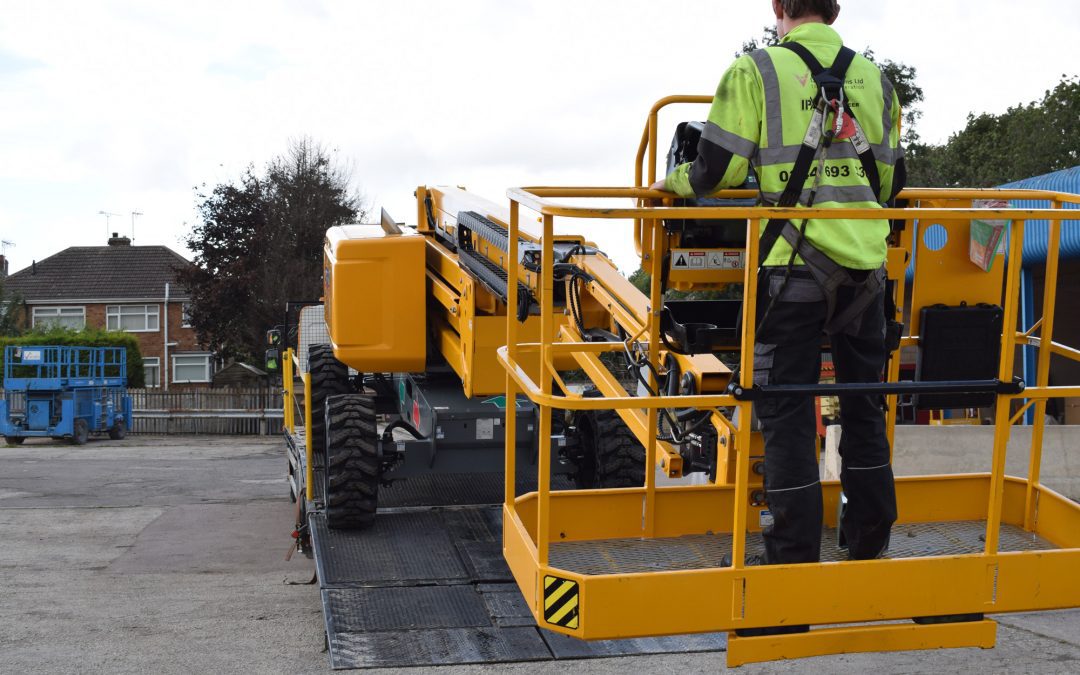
(659, 185)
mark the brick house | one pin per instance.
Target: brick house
(120, 287)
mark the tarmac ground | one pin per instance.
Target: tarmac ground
(167, 555)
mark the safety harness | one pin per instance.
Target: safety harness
(828, 275)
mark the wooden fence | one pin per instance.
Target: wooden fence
(250, 411)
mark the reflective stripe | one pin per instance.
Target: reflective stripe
(774, 118)
(733, 143)
(842, 194)
(840, 150)
(866, 468)
(886, 115)
(801, 487)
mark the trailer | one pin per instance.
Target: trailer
(64, 392)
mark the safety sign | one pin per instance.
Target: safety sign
(706, 259)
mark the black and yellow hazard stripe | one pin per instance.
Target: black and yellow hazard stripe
(561, 602)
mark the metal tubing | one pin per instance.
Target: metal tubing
(1005, 370)
(287, 390)
(656, 301)
(510, 426)
(746, 374)
(309, 473)
(1042, 367)
(905, 387)
(547, 332)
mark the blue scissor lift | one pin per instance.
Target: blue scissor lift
(65, 393)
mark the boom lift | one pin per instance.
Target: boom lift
(629, 553)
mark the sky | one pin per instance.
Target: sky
(122, 106)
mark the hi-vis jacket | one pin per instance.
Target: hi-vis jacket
(759, 115)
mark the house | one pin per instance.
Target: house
(119, 287)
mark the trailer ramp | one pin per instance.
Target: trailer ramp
(426, 585)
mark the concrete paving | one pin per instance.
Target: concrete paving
(166, 555)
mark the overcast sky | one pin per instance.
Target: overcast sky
(122, 106)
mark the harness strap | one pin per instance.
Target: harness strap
(830, 276)
(830, 86)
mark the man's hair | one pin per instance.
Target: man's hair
(826, 9)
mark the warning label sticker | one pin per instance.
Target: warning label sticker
(708, 259)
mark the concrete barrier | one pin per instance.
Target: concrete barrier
(920, 450)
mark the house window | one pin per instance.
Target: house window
(190, 368)
(132, 318)
(152, 371)
(59, 317)
(185, 317)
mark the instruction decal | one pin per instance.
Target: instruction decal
(561, 602)
(706, 259)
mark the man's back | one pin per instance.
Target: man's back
(761, 113)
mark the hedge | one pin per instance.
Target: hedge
(89, 337)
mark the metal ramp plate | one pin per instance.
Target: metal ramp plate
(909, 540)
(428, 586)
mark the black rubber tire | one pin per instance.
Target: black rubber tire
(80, 432)
(14, 440)
(118, 431)
(351, 477)
(611, 456)
(329, 377)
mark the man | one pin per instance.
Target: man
(837, 150)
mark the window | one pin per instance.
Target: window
(191, 368)
(185, 317)
(60, 317)
(132, 318)
(152, 371)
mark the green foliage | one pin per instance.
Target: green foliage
(1026, 140)
(89, 337)
(769, 38)
(641, 281)
(11, 312)
(258, 244)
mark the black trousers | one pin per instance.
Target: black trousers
(788, 351)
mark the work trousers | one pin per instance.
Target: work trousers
(788, 351)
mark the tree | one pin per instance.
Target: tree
(258, 244)
(11, 312)
(1024, 141)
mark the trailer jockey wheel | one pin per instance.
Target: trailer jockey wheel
(351, 477)
(610, 455)
(329, 377)
(118, 431)
(80, 432)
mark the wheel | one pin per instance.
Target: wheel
(610, 455)
(80, 432)
(118, 431)
(351, 478)
(329, 377)
(14, 440)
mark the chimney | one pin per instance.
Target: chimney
(3, 266)
(117, 240)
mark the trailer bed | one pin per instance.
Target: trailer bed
(427, 585)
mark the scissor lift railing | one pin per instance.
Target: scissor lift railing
(645, 561)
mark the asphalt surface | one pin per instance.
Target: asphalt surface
(167, 555)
